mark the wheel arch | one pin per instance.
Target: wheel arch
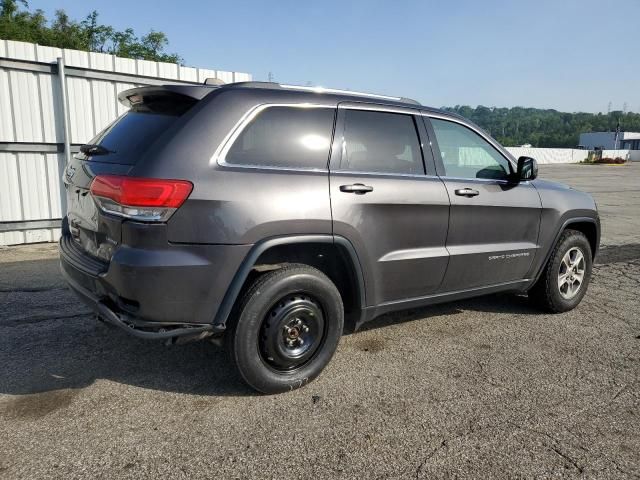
(335, 256)
(589, 226)
(590, 230)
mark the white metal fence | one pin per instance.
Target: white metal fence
(46, 92)
(550, 155)
(569, 155)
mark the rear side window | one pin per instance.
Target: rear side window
(291, 137)
(124, 140)
(381, 142)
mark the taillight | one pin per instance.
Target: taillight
(146, 199)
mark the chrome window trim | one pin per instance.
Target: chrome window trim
(219, 156)
(487, 180)
(274, 167)
(382, 174)
(482, 134)
(413, 175)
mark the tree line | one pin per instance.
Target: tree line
(17, 22)
(544, 128)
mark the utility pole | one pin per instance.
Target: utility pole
(270, 76)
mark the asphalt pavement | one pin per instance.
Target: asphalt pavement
(485, 388)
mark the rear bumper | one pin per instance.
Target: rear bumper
(157, 289)
(133, 326)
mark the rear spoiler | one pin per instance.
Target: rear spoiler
(136, 95)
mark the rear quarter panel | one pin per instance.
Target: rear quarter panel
(235, 205)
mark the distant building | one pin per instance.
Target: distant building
(607, 141)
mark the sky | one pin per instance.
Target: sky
(569, 55)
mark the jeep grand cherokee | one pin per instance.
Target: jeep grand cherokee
(271, 217)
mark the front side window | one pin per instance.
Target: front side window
(465, 154)
(381, 142)
(291, 137)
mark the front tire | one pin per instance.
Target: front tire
(286, 328)
(566, 276)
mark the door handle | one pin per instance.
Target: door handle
(467, 192)
(357, 188)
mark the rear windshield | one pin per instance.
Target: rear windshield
(124, 140)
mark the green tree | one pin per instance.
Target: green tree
(98, 37)
(18, 23)
(544, 128)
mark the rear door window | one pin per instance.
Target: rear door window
(286, 137)
(381, 142)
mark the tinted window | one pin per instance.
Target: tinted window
(381, 142)
(285, 137)
(466, 154)
(124, 140)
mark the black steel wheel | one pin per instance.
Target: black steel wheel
(292, 332)
(286, 328)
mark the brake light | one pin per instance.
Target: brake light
(147, 199)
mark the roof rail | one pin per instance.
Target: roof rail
(272, 85)
(349, 92)
(252, 84)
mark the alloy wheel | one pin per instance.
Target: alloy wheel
(571, 273)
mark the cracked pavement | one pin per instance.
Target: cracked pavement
(485, 388)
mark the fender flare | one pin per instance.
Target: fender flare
(259, 248)
(562, 228)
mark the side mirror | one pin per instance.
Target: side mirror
(527, 169)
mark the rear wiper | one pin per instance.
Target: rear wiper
(94, 149)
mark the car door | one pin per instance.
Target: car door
(382, 201)
(494, 221)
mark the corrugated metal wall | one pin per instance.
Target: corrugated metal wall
(32, 139)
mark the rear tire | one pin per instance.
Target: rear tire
(286, 328)
(565, 279)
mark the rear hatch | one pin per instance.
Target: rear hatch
(114, 152)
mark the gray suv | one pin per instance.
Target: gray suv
(272, 217)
